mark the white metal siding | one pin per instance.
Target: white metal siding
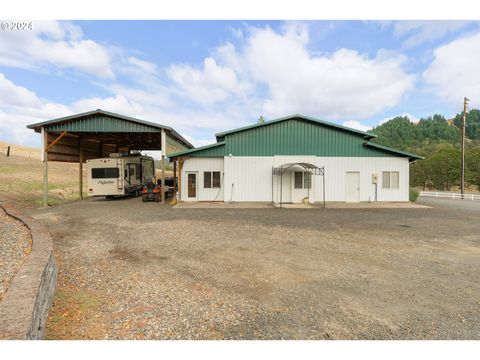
(200, 165)
(249, 178)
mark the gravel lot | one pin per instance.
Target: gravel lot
(133, 270)
(15, 245)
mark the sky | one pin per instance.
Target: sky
(204, 77)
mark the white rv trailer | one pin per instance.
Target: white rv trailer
(119, 175)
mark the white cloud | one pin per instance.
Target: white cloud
(117, 104)
(356, 125)
(417, 32)
(13, 95)
(53, 44)
(198, 143)
(343, 84)
(211, 84)
(454, 72)
(143, 65)
(267, 73)
(19, 107)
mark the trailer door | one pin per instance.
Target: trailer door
(130, 174)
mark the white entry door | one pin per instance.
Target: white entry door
(191, 186)
(352, 187)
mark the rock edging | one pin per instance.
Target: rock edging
(25, 307)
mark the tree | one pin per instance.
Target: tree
(472, 166)
(472, 131)
(261, 120)
(397, 132)
(436, 128)
(443, 167)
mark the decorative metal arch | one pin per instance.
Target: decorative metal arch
(312, 169)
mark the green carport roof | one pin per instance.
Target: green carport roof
(98, 121)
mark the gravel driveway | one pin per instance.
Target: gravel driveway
(133, 270)
(15, 245)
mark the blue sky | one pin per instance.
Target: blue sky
(203, 77)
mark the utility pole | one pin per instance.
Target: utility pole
(465, 102)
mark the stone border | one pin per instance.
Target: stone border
(24, 308)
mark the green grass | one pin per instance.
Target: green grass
(5, 169)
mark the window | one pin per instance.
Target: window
(298, 180)
(207, 180)
(105, 173)
(303, 180)
(307, 180)
(138, 171)
(211, 179)
(216, 179)
(390, 180)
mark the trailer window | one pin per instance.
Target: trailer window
(105, 173)
(139, 172)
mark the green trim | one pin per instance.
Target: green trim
(395, 151)
(196, 150)
(296, 116)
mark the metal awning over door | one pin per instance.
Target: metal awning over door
(305, 167)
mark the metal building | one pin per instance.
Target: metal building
(98, 133)
(294, 159)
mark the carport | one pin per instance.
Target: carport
(98, 133)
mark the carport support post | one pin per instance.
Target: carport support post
(45, 166)
(175, 179)
(80, 170)
(164, 153)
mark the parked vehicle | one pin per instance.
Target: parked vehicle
(151, 192)
(119, 175)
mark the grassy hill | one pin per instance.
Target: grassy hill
(21, 178)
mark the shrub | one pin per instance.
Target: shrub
(413, 195)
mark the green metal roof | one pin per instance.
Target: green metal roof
(212, 150)
(410, 155)
(293, 136)
(366, 135)
(99, 121)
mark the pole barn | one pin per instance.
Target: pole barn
(98, 133)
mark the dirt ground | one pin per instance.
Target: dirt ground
(133, 270)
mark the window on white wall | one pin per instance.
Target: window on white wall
(307, 180)
(298, 180)
(303, 180)
(216, 179)
(211, 179)
(390, 180)
(207, 179)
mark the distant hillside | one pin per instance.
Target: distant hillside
(401, 133)
(438, 140)
(20, 150)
